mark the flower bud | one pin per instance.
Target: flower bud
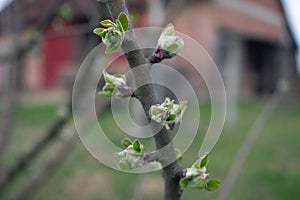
(133, 155)
(116, 79)
(112, 39)
(169, 45)
(115, 85)
(168, 114)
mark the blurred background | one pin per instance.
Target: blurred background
(254, 44)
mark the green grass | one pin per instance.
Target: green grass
(36, 114)
(271, 170)
(31, 123)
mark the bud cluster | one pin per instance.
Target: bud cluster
(133, 154)
(169, 45)
(113, 33)
(115, 85)
(197, 177)
(168, 113)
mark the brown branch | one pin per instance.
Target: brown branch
(148, 96)
(151, 157)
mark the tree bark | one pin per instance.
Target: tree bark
(148, 96)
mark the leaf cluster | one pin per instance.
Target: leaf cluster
(113, 33)
(168, 113)
(197, 177)
(133, 154)
(115, 85)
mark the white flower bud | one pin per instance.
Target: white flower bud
(168, 113)
(170, 42)
(115, 85)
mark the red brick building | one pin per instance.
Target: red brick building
(248, 39)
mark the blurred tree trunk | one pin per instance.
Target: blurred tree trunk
(15, 71)
(57, 127)
(10, 103)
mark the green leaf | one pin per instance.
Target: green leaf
(185, 182)
(126, 142)
(108, 88)
(201, 162)
(115, 80)
(213, 184)
(204, 160)
(120, 27)
(171, 118)
(108, 23)
(107, 77)
(120, 76)
(124, 164)
(113, 39)
(173, 46)
(99, 31)
(208, 175)
(200, 184)
(123, 20)
(110, 49)
(136, 145)
(168, 103)
(105, 93)
(197, 164)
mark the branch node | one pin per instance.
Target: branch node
(151, 157)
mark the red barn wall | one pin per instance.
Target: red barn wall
(57, 54)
